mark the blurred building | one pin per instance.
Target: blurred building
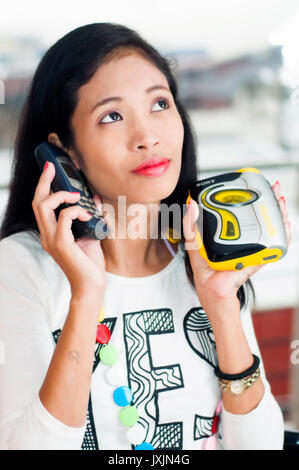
(19, 56)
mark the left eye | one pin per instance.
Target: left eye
(162, 103)
(114, 118)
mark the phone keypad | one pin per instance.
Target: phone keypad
(88, 204)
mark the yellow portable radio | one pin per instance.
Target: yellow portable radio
(240, 223)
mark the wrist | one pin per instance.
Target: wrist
(87, 290)
(89, 300)
(223, 313)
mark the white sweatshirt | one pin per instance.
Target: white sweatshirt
(166, 350)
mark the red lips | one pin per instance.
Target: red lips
(152, 162)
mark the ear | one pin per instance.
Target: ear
(54, 139)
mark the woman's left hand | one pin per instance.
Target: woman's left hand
(217, 290)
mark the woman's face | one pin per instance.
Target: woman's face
(138, 122)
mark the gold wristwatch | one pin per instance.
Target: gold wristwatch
(237, 387)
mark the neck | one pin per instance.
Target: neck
(134, 246)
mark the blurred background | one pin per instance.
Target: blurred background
(237, 68)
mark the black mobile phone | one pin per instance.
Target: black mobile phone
(69, 178)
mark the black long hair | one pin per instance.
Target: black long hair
(51, 102)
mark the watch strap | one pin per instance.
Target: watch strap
(241, 375)
(241, 385)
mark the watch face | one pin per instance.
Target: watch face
(237, 387)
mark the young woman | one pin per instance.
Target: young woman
(109, 99)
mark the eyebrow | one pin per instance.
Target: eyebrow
(118, 98)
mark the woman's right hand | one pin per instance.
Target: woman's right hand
(82, 261)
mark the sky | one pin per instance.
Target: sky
(224, 27)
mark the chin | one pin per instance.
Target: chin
(164, 190)
(170, 188)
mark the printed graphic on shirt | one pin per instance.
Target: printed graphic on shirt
(199, 334)
(90, 441)
(147, 381)
(202, 427)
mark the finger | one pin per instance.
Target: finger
(288, 232)
(241, 277)
(64, 234)
(284, 211)
(190, 228)
(276, 189)
(285, 218)
(42, 191)
(46, 209)
(98, 203)
(283, 208)
(43, 187)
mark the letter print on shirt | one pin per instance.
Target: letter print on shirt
(90, 441)
(147, 381)
(199, 334)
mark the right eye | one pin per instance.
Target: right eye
(113, 115)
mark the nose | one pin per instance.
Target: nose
(143, 137)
